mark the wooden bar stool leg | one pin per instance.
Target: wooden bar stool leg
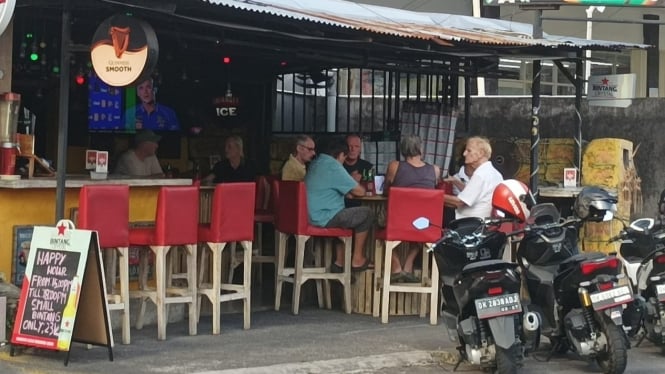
(378, 277)
(317, 251)
(233, 261)
(347, 274)
(144, 269)
(247, 284)
(259, 251)
(301, 240)
(434, 302)
(161, 253)
(214, 293)
(203, 273)
(110, 264)
(327, 262)
(385, 292)
(281, 256)
(124, 292)
(423, 282)
(191, 286)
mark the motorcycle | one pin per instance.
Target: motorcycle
(579, 295)
(642, 252)
(482, 309)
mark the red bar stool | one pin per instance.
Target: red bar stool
(105, 209)
(232, 220)
(404, 206)
(292, 219)
(176, 225)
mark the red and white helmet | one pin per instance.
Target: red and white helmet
(513, 199)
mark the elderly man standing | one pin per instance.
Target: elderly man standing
(294, 168)
(475, 200)
(327, 183)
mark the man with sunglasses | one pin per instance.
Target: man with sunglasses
(294, 168)
(475, 200)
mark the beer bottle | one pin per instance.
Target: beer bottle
(68, 316)
(370, 182)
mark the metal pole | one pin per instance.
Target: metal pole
(535, 108)
(63, 113)
(579, 85)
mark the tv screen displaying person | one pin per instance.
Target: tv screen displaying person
(148, 114)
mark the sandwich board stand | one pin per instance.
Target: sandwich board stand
(63, 295)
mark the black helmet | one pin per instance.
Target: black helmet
(593, 203)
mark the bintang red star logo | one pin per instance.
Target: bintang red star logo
(61, 229)
(605, 81)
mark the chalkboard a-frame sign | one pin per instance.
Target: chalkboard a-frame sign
(63, 297)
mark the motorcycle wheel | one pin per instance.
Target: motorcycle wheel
(614, 359)
(507, 360)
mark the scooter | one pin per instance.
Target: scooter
(578, 294)
(642, 252)
(482, 308)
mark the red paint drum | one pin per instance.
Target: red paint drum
(7, 158)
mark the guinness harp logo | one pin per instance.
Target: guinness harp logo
(120, 38)
(124, 50)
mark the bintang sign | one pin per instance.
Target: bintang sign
(618, 3)
(124, 50)
(613, 90)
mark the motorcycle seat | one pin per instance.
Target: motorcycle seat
(487, 265)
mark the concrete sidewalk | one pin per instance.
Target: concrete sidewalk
(317, 340)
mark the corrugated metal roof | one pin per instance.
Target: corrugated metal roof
(445, 29)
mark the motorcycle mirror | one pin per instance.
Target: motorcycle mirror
(642, 224)
(421, 223)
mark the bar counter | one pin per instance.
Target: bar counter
(32, 202)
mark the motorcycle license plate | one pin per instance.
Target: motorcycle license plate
(607, 299)
(660, 292)
(496, 306)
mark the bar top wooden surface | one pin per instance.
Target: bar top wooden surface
(76, 181)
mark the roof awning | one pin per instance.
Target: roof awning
(441, 29)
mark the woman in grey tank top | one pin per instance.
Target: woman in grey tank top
(413, 172)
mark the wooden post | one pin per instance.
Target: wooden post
(6, 58)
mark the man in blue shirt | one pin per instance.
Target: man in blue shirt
(148, 114)
(327, 184)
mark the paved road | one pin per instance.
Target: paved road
(316, 341)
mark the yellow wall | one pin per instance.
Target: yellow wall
(37, 207)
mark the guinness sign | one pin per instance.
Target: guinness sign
(6, 13)
(124, 50)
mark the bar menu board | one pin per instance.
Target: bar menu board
(50, 291)
(51, 282)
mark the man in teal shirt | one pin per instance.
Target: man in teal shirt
(327, 184)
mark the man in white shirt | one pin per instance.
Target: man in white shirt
(475, 200)
(141, 161)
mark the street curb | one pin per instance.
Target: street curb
(366, 364)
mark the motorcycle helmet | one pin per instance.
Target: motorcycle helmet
(593, 203)
(513, 199)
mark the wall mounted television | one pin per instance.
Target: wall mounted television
(114, 109)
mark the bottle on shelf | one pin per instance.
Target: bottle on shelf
(168, 171)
